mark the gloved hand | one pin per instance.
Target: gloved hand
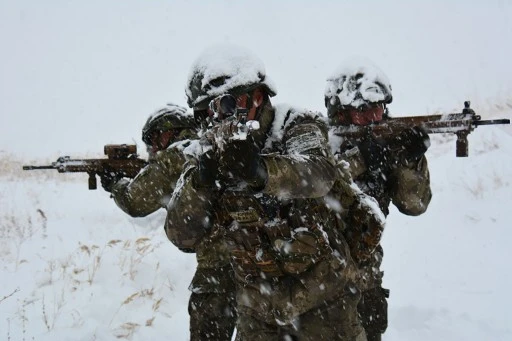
(412, 143)
(375, 154)
(208, 169)
(241, 161)
(108, 180)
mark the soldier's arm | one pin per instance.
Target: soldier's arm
(410, 186)
(306, 168)
(357, 214)
(153, 186)
(189, 212)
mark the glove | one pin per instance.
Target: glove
(412, 144)
(208, 169)
(241, 161)
(108, 180)
(375, 154)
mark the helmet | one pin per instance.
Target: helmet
(222, 69)
(171, 116)
(356, 84)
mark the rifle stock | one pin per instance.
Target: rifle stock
(121, 159)
(461, 124)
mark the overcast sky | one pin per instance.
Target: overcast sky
(75, 75)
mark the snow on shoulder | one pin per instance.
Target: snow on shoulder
(358, 81)
(285, 115)
(232, 65)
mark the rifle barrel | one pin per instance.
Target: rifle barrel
(37, 167)
(489, 122)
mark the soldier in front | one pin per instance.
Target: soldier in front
(257, 196)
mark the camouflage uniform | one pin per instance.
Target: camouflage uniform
(403, 181)
(153, 186)
(288, 269)
(408, 188)
(211, 306)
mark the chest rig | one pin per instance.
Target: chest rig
(269, 238)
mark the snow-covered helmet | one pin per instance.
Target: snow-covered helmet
(222, 69)
(356, 84)
(167, 118)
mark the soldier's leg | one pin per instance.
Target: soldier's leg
(373, 310)
(212, 316)
(249, 328)
(336, 320)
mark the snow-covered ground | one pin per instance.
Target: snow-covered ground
(74, 267)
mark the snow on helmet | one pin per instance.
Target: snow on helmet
(222, 69)
(356, 83)
(171, 116)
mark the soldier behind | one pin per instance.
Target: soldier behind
(393, 170)
(258, 202)
(167, 135)
(153, 186)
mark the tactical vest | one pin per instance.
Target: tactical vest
(267, 238)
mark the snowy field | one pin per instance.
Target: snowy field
(76, 75)
(74, 267)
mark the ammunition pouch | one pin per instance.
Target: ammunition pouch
(260, 246)
(298, 253)
(280, 301)
(364, 232)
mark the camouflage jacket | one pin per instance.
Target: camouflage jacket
(152, 188)
(406, 186)
(275, 237)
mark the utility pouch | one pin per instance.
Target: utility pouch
(353, 156)
(298, 252)
(241, 209)
(251, 251)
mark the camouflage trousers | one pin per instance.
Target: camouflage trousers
(373, 311)
(336, 320)
(373, 306)
(212, 316)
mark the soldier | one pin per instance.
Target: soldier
(390, 170)
(167, 135)
(256, 199)
(153, 186)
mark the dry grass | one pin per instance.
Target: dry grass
(60, 279)
(126, 330)
(9, 295)
(16, 231)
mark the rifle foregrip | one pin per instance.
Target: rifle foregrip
(93, 184)
(462, 144)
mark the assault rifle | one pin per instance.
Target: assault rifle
(461, 124)
(228, 122)
(121, 159)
